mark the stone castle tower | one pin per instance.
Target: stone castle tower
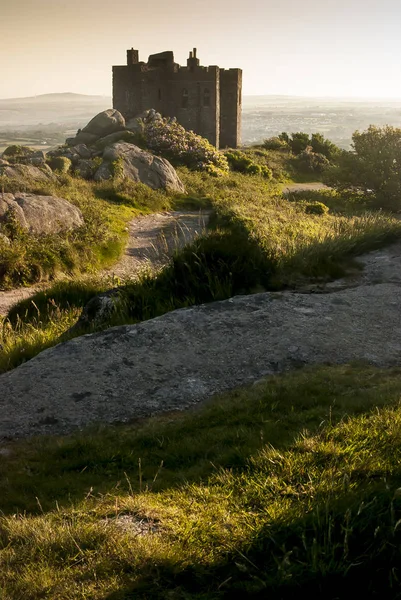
(206, 100)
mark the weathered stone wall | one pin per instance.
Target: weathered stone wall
(230, 108)
(193, 97)
(136, 89)
(206, 100)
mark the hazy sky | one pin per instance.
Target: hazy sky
(297, 47)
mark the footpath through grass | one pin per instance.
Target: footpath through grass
(106, 207)
(259, 240)
(292, 485)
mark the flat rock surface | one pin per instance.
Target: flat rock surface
(179, 359)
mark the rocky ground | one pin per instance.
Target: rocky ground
(177, 360)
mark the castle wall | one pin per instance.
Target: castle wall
(206, 100)
(136, 90)
(230, 108)
(193, 98)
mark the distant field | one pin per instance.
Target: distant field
(54, 117)
(337, 119)
(25, 141)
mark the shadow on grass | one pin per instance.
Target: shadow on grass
(347, 543)
(322, 516)
(189, 446)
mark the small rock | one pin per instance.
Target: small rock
(84, 168)
(82, 151)
(4, 240)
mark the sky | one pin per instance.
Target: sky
(337, 48)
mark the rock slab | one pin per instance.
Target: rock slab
(140, 166)
(41, 214)
(177, 360)
(26, 172)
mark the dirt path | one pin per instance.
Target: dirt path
(152, 240)
(304, 187)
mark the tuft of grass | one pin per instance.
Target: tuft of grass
(293, 483)
(24, 340)
(62, 295)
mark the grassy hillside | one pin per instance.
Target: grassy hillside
(290, 486)
(293, 484)
(260, 239)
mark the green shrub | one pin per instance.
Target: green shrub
(311, 162)
(18, 154)
(275, 143)
(299, 142)
(316, 208)
(117, 167)
(320, 145)
(373, 167)
(241, 163)
(62, 164)
(181, 147)
(15, 150)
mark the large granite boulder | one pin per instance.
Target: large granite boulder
(113, 138)
(24, 172)
(40, 214)
(107, 122)
(177, 360)
(140, 166)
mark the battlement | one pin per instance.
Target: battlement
(205, 99)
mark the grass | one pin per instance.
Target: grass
(38, 323)
(106, 206)
(259, 240)
(297, 246)
(292, 484)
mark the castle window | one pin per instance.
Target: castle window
(160, 94)
(184, 99)
(206, 97)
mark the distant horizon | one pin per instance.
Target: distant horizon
(245, 96)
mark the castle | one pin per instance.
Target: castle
(206, 100)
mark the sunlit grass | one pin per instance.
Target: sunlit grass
(290, 483)
(260, 240)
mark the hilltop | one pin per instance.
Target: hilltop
(55, 97)
(290, 482)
